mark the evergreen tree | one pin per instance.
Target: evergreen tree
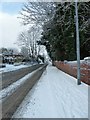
(60, 31)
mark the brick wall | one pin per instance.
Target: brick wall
(71, 69)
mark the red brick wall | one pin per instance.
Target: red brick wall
(72, 70)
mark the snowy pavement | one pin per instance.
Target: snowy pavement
(56, 95)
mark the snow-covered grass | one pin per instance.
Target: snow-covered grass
(10, 67)
(56, 95)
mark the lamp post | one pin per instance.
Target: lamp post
(78, 45)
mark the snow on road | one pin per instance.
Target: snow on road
(56, 95)
(4, 93)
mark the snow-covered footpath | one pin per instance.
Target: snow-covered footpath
(56, 95)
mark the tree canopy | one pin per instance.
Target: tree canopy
(61, 34)
(58, 23)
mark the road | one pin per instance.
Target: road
(11, 103)
(9, 77)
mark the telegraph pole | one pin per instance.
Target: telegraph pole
(78, 45)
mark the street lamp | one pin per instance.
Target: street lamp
(78, 45)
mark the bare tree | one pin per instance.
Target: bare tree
(28, 39)
(37, 12)
(24, 52)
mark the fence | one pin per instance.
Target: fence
(71, 69)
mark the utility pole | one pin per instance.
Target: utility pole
(78, 45)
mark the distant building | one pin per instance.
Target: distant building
(11, 58)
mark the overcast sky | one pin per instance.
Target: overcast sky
(10, 26)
